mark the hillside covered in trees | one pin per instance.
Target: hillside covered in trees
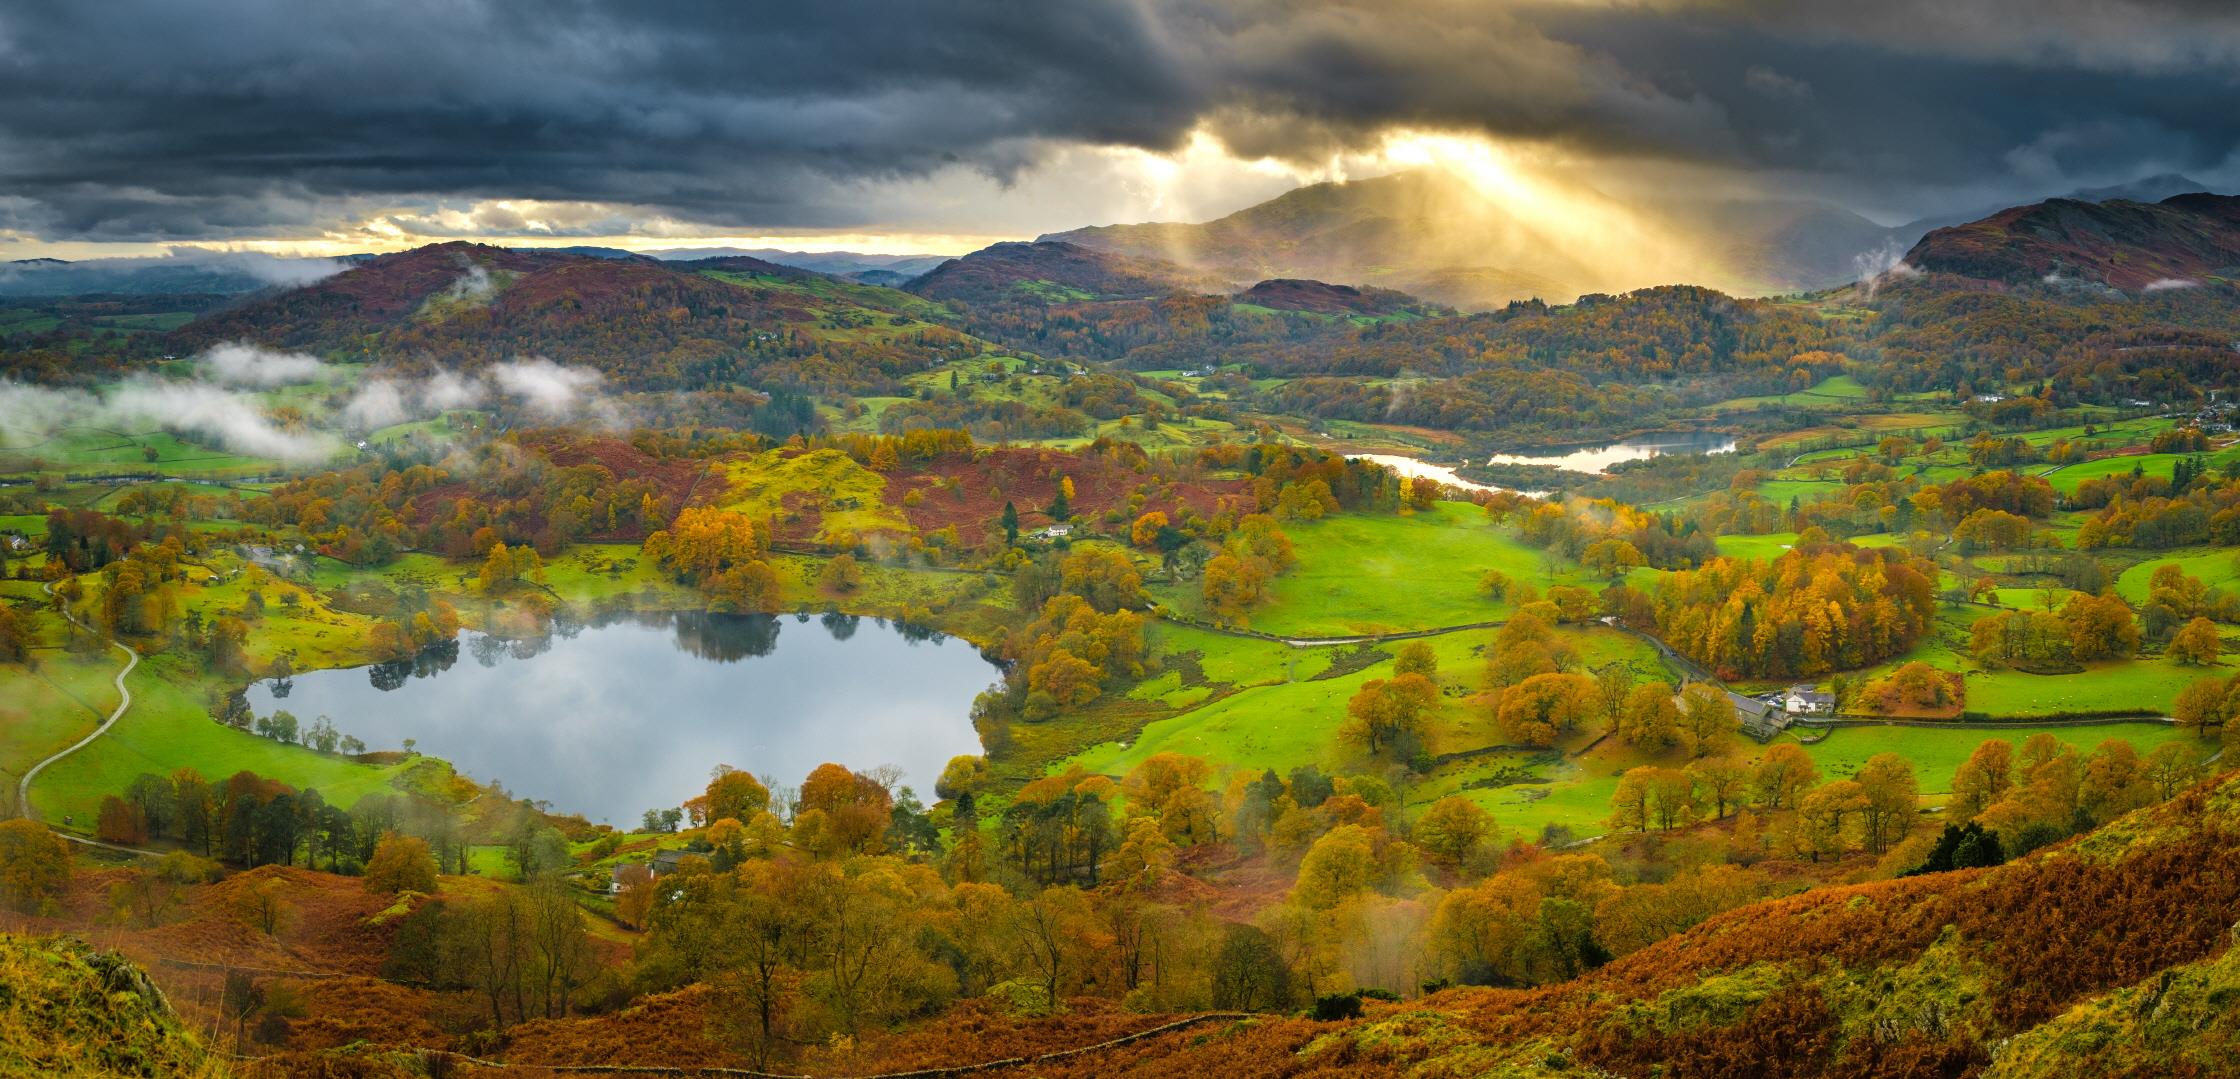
(642, 322)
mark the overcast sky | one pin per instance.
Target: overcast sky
(924, 125)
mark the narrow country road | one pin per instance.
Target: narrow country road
(124, 701)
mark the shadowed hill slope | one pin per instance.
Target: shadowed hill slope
(2125, 245)
(644, 322)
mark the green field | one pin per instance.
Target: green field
(169, 726)
(2159, 465)
(1361, 573)
(2218, 568)
(1937, 753)
(85, 451)
(1285, 716)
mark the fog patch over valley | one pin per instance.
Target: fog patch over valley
(543, 389)
(238, 364)
(30, 415)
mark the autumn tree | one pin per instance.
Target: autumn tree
(1783, 775)
(120, 821)
(751, 588)
(2196, 644)
(1672, 798)
(1388, 713)
(1231, 585)
(2114, 782)
(1982, 780)
(2100, 627)
(1891, 800)
(1650, 720)
(1545, 707)
(400, 863)
(1707, 718)
(855, 807)
(1849, 607)
(841, 575)
(1452, 830)
(1522, 648)
(2170, 767)
(2012, 638)
(705, 542)
(1145, 531)
(1916, 685)
(731, 795)
(1651, 796)
(1249, 974)
(1104, 576)
(1416, 657)
(16, 638)
(1722, 781)
(1824, 818)
(34, 865)
(1630, 801)
(1340, 865)
(1170, 790)
(2201, 705)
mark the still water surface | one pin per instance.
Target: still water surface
(611, 719)
(1589, 459)
(1600, 458)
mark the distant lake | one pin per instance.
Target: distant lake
(1599, 458)
(1587, 459)
(618, 717)
(1417, 468)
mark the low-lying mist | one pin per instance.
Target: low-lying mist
(222, 402)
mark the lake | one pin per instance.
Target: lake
(1418, 468)
(613, 718)
(1588, 459)
(1600, 458)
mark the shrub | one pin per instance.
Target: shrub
(1336, 1006)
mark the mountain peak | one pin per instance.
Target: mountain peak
(2154, 188)
(2121, 243)
(1048, 270)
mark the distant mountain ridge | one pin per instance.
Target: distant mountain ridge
(644, 322)
(1432, 235)
(2132, 246)
(871, 269)
(1056, 271)
(209, 273)
(1390, 232)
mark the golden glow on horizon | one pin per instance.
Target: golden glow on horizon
(1530, 211)
(1533, 197)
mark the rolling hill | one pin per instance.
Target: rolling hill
(643, 322)
(1047, 271)
(853, 265)
(1433, 235)
(1286, 294)
(2132, 246)
(1428, 233)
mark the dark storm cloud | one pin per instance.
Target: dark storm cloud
(240, 118)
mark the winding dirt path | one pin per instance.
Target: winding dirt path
(124, 701)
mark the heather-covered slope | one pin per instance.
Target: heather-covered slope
(2126, 245)
(2111, 955)
(67, 1010)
